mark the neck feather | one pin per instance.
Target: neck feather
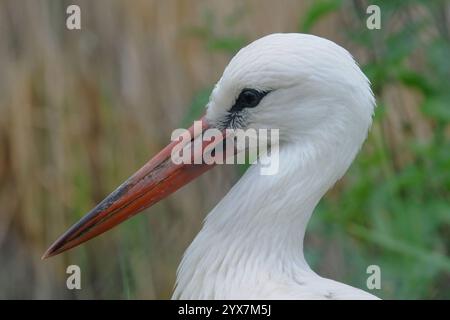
(255, 234)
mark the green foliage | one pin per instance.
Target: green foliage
(215, 41)
(317, 11)
(197, 107)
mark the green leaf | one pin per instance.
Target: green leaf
(433, 258)
(437, 108)
(415, 80)
(226, 44)
(197, 107)
(318, 10)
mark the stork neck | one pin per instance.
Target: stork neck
(271, 213)
(261, 222)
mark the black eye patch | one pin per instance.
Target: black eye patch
(248, 98)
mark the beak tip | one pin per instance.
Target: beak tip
(47, 254)
(50, 252)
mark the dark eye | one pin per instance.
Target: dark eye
(248, 98)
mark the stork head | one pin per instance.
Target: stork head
(301, 84)
(307, 87)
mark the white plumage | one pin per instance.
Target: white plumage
(251, 244)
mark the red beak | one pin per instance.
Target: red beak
(157, 179)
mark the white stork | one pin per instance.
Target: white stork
(251, 243)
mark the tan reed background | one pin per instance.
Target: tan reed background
(82, 110)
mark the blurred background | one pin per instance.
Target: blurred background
(82, 110)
